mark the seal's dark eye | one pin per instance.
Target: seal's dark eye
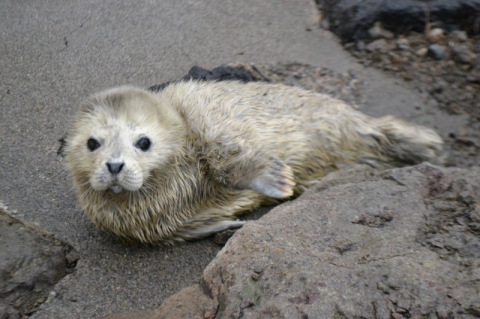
(92, 144)
(144, 144)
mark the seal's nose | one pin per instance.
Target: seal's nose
(115, 168)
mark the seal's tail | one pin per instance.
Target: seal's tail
(407, 143)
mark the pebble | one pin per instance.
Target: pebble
(421, 52)
(403, 44)
(377, 32)
(222, 237)
(459, 36)
(360, 45)
(436, 35)
(436, 51)
(462, 54)
(377, 45)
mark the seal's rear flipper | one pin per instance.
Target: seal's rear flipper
(408, 143)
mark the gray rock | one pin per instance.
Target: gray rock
(360, 45)
(377, 32)
(462, 54)
(459, 35)
(436, 51)
(380, 45)
(403, 44)
(189, 303)
(360, 244)
(31, 263)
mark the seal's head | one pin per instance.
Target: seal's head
(118, 138)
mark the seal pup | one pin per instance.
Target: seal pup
(184, 162)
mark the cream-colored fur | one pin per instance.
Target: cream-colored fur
(219, 149)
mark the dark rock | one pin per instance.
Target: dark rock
(344, 86)
(222, 237)
(405, 57)
(352, 19)
(221, 73)
(31, 263)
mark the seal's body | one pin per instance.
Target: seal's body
(184, 162)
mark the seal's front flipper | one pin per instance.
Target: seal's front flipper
(275, 180)
(236, 165)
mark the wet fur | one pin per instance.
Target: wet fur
(220, 149)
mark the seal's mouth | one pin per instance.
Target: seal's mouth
(116, 189)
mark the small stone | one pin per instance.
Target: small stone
(209, 315)
(325, 24)
(421, 52)
(360, 45)
(436, 51)
(379, 45)
(403, 44)
(436, 35)
(377, 32)
(458, 35)
(222, 237)
(462, 54)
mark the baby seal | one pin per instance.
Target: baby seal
(183, 163)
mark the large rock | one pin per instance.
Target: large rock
(31, 263)
(351, 19)
(403, 243)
